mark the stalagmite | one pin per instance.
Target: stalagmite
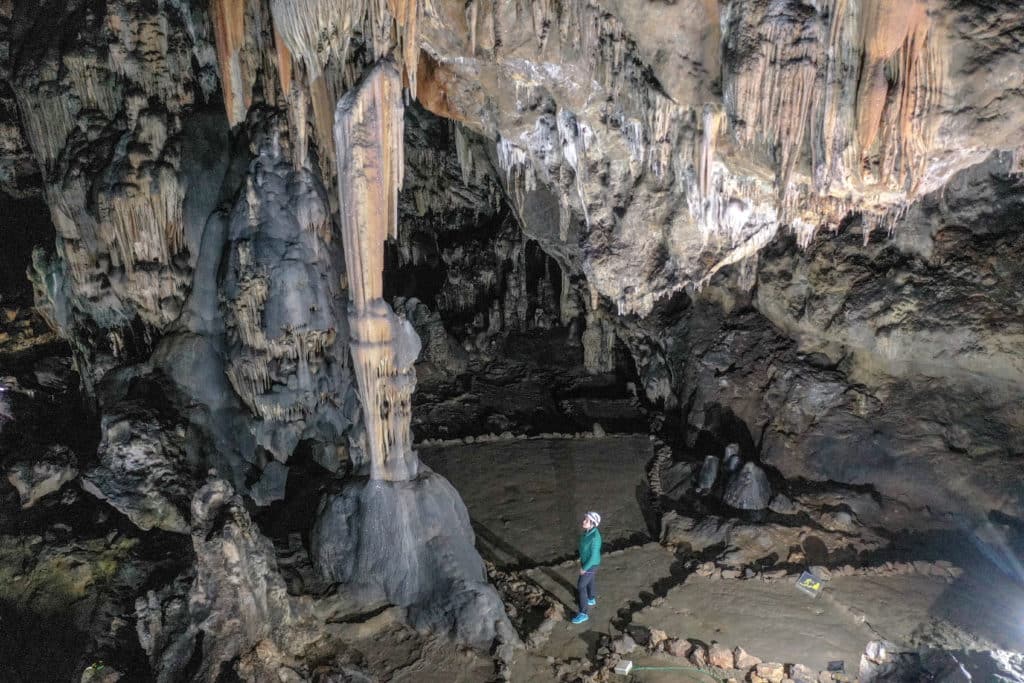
(402, 536)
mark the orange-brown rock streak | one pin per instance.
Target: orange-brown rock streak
(229, 29)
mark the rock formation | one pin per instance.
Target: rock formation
(403, 535)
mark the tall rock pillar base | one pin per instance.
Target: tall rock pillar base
(410, 543)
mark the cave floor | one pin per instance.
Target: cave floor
(537, 491)
(525, 497)
(642, 587)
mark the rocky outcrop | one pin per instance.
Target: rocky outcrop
(237, 611)
(37, 478)
(144, 471)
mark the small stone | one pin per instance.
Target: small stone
(754, 678)
(698, 656)
(801, 674)
(720, 656)
(623, 645)
(656, 637)
(598, 430)
(677, 647)
(782, 505)
(99, 672)
(730, 573)
(743, 660)
(824, 677)
(876, 651)
(821, 572)
(773, 672)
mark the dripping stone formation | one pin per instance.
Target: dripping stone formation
(340, 314)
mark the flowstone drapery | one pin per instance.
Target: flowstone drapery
(403, 535)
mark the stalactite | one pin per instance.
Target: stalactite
(708, 211)
(879, 58)
(383, 24)
(48, 117)
(144, 222)
(228, 18)
(471, 19)
(91, 83)
(284, 64)
(463, 153)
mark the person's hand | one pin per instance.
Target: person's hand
(582, 572)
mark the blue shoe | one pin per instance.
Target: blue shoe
(591, 602)
(580, 618)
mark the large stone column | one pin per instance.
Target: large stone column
(368, 133)
(402, 536)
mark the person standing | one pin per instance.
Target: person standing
(590, 558)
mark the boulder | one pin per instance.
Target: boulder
(802, 674)
(656, 637)
(749, 489)
(624, 645)
(677, 478)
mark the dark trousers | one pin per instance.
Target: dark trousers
(585, 589)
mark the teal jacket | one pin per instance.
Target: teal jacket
(590, 549)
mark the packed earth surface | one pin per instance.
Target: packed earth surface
(323, 323)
